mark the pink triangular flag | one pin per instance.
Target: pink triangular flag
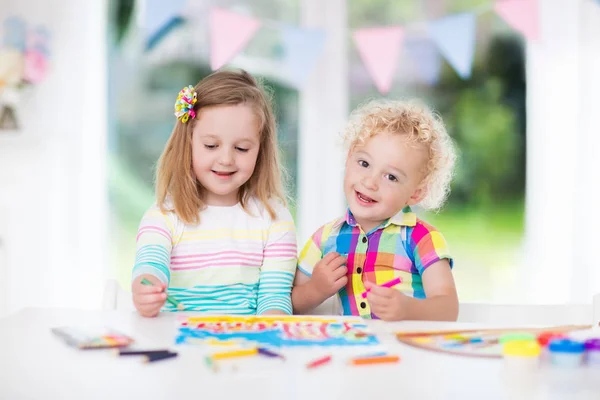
(522, 15)
(379, 49)
(229, 34)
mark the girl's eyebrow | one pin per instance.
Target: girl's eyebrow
(209, 136)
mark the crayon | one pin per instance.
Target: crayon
(375, 360)
(318, 362)
(235, 353)
(269, 353)
(389, 284)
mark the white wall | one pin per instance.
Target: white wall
(53, 198)
(323, 113)
(563, 188)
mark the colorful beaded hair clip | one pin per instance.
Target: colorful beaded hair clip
(184, 106)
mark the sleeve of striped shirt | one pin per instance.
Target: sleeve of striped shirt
(153, 245)
(429, 246)
(279, 264)
(311, 253)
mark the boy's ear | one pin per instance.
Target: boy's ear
(417, 196)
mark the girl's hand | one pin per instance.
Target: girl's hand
(148, 299)
(387, 303)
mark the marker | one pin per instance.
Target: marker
(170, 299)
(389, 284)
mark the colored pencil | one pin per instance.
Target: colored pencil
(170, 299)
(158, 357)
(235, 353)
(318, 362)
(388, 284)
(375, 360)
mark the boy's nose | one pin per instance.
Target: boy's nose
(369, 182)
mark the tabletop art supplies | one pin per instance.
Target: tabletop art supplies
(92, 337)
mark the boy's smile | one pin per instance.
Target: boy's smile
(383, 175)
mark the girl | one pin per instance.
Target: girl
(219, 238)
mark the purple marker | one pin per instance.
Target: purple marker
(389, 284)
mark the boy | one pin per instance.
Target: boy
(400, 155)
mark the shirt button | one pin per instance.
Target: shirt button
(363, 304)
(358, 270)
(364, 239)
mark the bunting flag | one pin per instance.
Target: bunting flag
(302, 48)
(522, 15)
(454, 36)
(160, 18)
(426, 58)
(229, 34)
(379, 49)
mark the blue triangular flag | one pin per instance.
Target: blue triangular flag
(302, 48)
(426, 58)
(160, 17)
(14, 33)
(455, 38)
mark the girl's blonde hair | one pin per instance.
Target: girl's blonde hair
(422, 126)
(175, 179)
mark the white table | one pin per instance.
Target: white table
(34, 364)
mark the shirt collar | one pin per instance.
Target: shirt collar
(405, 217)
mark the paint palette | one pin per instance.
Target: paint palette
(276, 331)
(472, 343)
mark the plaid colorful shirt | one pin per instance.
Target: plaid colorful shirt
(402, 247)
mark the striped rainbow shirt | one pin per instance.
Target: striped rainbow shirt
(229, 263)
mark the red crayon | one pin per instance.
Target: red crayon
(389, 284)
(318, 362)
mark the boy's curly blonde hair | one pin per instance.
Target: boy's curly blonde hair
(421, 126)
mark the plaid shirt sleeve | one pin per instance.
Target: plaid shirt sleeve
(311, 253)
(428, 246)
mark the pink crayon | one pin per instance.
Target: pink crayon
(391, 283)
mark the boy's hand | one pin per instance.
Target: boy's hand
(329, 274)
(148, 300)
(387, 303)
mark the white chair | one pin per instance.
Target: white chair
(526, 314)
(115, 297)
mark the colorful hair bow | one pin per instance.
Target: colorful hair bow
(184, 106)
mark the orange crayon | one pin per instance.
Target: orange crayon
(375, 360)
